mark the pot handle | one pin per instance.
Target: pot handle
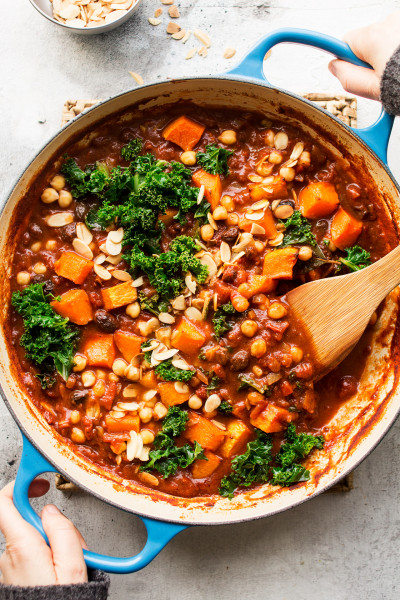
(159, 533)
(376, 136)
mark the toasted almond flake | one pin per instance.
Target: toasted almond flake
(179, 36)
(202, 37)
(225, 252)
(215, 302)
(173, 12)
(257, 229)
(138, 282)
(116, 236)
(179, 363)
(179, 303)
(229, 52)
(82, 248)
(281, 140)
(255, 216)
(99, 259)
(190, 54)
(68, 11)
(102, 247)
(120, 6)
(212, 403)
(144, 455)
(158, 12)
(201, 245)
(114, 260)
(193, 313)
(245, 240)
(59, 219)
(138, 78)
(154, 21)
(165, 355)
(115, 15)
(274, 205)
(218, 424)
(255, 178)
(173, 27)
(276, 241)
(152, 345)
(113, 249)
(132, 445)
(129, 392)
(83, 233)
(297, 150)
(181, 388)
(190, 283)
(202, 51)
(167, 2)
(166, 318)
(117, 414)
(209, 262)
(260, 204)
(148, 479)
(121, 275)
(237, 257)
(212, 221)
(186, 37)
(200, 194)
(149, 395)
(128, 406)
(102, 272)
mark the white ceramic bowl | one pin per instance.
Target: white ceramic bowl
(44, 7)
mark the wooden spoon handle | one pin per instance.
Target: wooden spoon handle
(381, 277)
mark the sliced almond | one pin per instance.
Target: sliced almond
(229, 52)
(138, 282)
(281, 140)
(200, 194)
(158, 12)
(255, 178)
(255, 216)
(218, 424)
(116, 236)
(129, 391)
(173, 12)
(165, 355)
(181, 388)
(132, 445)
(83, 233)
(190, 283)
(102, 272)
(113, 249)
(188, 56)
(179, 303)
(297, 150)
(260, 204)
(128, 406)
(154, 21)
(173, 27)
(138, 78)
(99, 259)
(212, 221)
(225, 252)
(186, 37)
(179, 35)
(237, 257)
(114, 260)
(209, 262)
(257, 229)
(82, 248)
(59, 219)
(166, 318)
(149, 395)
(179, 363)
(121, 275)
(167, 2)
(152, 345)
(202, 37)
(276, 241)
(202, 51)
(193, 313)
(117, 414)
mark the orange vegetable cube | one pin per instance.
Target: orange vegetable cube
(318, 199)
(107, 399)
(237, 435)
(75, 306)
(183, 132)
(149, 380)
(279, 264)
(257, 284)
(74, 267)
(119, 295)
(204, 468)
(187, 337)
(100, 350)
(271, 419)
(274, 189)
(203, 431)
(345, 229)
(128, 343)
(169, 395)
(127, 423)
(212, 186)
(267, 222)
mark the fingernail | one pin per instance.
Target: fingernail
(52, 509)
(332, 68)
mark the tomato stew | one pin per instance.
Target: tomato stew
(148, 308)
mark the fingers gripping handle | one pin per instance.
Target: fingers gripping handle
(377, 135)
(159, 533)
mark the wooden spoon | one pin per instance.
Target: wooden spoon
(335, 311)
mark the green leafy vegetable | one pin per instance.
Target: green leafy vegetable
(153, 304)
(246, 381)
(250, 467)
(49, 339)
(132, 149)
(285, 476)
(91, 180)
(166, 457)
(221, 321)
(46, 380)
(297, 446)
(356, 258)
(168, 372)
(298, 231)
(213, 383)
(225, 407)
(214, 160)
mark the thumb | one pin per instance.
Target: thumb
(356, 80)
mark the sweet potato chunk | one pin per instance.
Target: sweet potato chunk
(345, 229)
(271, 419)
(257, 284)
(279, 264)
(272, 190)
(204, 468)
(318, 199)
(75, 306)
(149, 380)
(187, 337)
(127, 423)
(169, 395)
(212, 186)
(203, 431)
(267, 222)
(74, 267)
(237, 435)
(119, 295)
(100, 350)
(128, 343)
(183, 132)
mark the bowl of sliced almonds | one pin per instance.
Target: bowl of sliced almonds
(87, 17)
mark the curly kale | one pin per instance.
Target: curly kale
(222, 321)
(175, 421)
(91, 180)
(356, 258)
(153, 304)
(49, 339)
(132, 149)
(168, 372)
(225, 407)
(214, 160)
(298, 230)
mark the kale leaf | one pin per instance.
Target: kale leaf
(213, 383)
(132, 149)
(251, 467)
(153, 303)
(168, 372)
(298, 231)
(356, 258)
(214, 160)
(175, 421)
(285, 476)
(225, 407)
(297, 446)
(91, 180)
(246, 381)
(49, 339)
(221, 321)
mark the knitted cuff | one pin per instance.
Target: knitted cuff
(390, 85)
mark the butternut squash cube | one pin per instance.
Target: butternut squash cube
(204, 468)
(119, 295)
(204, 432)
(169, 395)
(236, 436)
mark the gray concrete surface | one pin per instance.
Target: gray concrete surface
(336, 547)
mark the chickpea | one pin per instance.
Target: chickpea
(258, 348)
(228, 203)
(288, 173)
(258, 372)
(58, 182)
(296, 353)
(132, 373)
(145, 414)
(36, 246)
(207, 233)
(51, 245)
(220, 213)
(228, 137)
(64, 199)
(75, 417)
(249, 328)
(80, 363)
(269, 138)
(40, 268)
(133, 310)
(147, 436)
(232, 219)
(277, 311)
(113, 377)
(99, 388)
(148, 327)
(264, 169)
(304, 159)
(275, 157)
(23, 278)
(159, 411)
(283, 211)
(255, 397)
(195, 402)
(259, 246)
(100, 374)
(49, 195)
(188, 158)
(77, 435)
(305, 253)
(88, 378)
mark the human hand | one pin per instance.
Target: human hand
(375, 45)
(28, 560)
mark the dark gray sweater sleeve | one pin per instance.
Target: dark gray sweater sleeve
(95, 589)
(390, 85)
